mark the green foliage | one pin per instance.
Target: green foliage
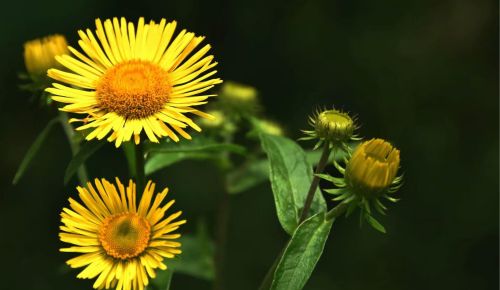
(290, 176)
(302, 253)
(162, 281)
(167, 153)
(160, 161)
(250, 174)
(197, 255)
(198, 144)
(87, 149)
(33, 150)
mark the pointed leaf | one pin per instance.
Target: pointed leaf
(33, 150)
(158, 161)
(290, 176)
(198, 144)
(302, 253)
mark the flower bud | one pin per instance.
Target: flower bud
(238, 99)
(372, 168)
(333, 126)
(39, 54)
(269, 127)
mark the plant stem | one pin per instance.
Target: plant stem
(268, 279)
(220, 240)
(222, 219)
(337, 210)
(314, 184)
(75, 147)
(139, 167)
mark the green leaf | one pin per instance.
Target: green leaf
(87, 149)
(33, 150)
(158, 161)
(290, 176)
(198, 144)
(197, 255)
(249, 175)
(256, 172)
(162, 281)
(302, 253)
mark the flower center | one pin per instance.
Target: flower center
(124, 235)
(134, 89)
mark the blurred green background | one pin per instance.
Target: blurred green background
(423, 74)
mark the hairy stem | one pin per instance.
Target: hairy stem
(314, 184)
(75, 147)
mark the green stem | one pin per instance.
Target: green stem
(315, 182)
(74, 145)
(140, 175)
(337, 210)
(268, 279)
(222, 219)
(220, 240)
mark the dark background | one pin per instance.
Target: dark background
(423, 74)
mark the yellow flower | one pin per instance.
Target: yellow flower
(131, 79)
(369, 177)
(120, 244)
(39, 54)
(372, 167)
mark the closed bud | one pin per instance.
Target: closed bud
(238, 99)
(372, 168)
(39, 54)
(333, 126)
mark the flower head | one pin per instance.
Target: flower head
(39, 54)
(121, 244)
(369, 176)
(132, 79)
(332, 126)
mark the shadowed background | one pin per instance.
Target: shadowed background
(423, 74)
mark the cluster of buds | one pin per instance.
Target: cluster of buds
(370, 172)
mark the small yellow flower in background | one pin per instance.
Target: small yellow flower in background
(39, 54)
(239, 92)
(121, 244)
(238, 99)
(217, 121)
(131, 79)
(269, 127)
(372, 167)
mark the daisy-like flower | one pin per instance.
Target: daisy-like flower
(120, 244)
(131, 79)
